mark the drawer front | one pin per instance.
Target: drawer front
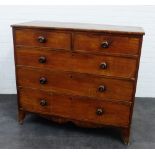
(83, 109)
(86, 42)
(35, 100)
(43, 38)
(74, 83)
(82, 63)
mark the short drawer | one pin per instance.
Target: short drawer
(82, 63)
(43, 38)
(83, 109)
(75, 83)
(111, 44)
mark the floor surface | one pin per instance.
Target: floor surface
(39, 133)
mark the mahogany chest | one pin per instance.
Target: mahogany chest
(83, 73)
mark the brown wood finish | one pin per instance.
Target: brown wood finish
(83, 109)
(21, 116)
(30, 100)
(125, 132)
(101, 28)
(116, 44)
(75, 83)
(53, 39)
(82, 63)
(84, 73)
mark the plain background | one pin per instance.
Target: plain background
(143, 16)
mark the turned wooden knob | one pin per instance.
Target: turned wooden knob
(101, 88)
(42, 59)
(41, 39)
(99, 111)
(43, 102)
(105, 44)
(43, 80)
(103, 65)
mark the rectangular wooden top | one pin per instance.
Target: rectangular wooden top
(83, 27)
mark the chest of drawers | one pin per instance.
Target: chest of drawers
(83, 73)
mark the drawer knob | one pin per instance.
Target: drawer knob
(43, 102)
(41, 39)
(101, 88)
(99, 111)
(43, 80)
(42, 59)
(103, 65)
(105, 44)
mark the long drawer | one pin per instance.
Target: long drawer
(43, 38)
(75, 83)
(82, 63)
(110, 113)
(112, 44)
